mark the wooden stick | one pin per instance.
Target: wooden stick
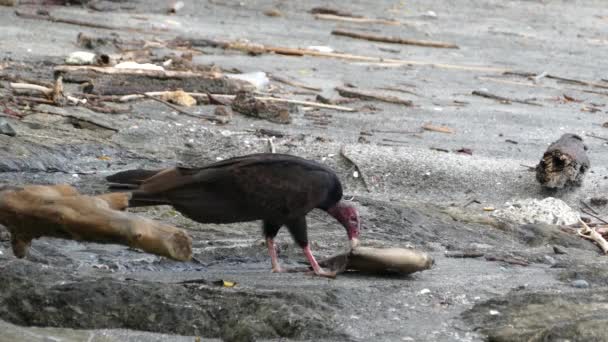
(393, 40)
(34, 87)
(258, 48)
(176, 108)
(370, 95)
(132, 97)
(356, 20)
(440, 129)
(59, 211)
(502, 98)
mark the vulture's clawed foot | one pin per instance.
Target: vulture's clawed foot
(323, 273)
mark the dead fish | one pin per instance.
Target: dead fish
(380, 260)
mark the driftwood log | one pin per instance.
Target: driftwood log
(564, 163)
(116, 81)
(379, 260)
(59, 211)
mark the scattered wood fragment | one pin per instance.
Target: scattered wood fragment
(118, 81)
(503, 99)
(440, 129)
(332, 11)
(464, 254)
(179, 110)
(588, 207)
(596, 136)
(350, 160)
(393, 40)
(229, 98)
(564, 163)
(397, 131)
(593, 235)
(77, 119)
(356, 20)
(34, 211)
(508, 260)
(371, 95)
(532, 75)
(593, 214)
(18, 87)
(400, 90)
(259, 49)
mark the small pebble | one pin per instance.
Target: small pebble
(425, 291)
(494, 312)
(6, 128)
(580, 284)
(550, 259)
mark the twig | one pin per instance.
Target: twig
(507, 259)
(396, 131)
(294, 83)
(588, 212)
(559, 78)
(34, 87)
(440, 129)
(343, 154)
(591, 234)
(369, 95)
(258, 48)
(75, 117)
(393, 40)
(589, 207)
(502, 98)
(463, 254)
(596, 136)
(400, 90)
(356, 20)
(176, 108)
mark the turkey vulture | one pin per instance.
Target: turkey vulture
(278, 189)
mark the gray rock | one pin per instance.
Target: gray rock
(580, 283)
(542, 316)
(6, 128)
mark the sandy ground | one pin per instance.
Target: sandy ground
(410, 182)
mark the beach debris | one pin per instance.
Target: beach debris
(564, 164)
(33, 211)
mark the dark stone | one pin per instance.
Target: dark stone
(33, 295)
(6, 128)
(536, 317)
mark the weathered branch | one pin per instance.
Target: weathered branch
(258, 49)
(117, 81)
(393, 40)
(564, 163)
(370, 95)
(59, 211)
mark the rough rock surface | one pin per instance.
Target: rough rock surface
(549, 211)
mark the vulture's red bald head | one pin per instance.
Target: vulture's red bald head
(348, 216)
